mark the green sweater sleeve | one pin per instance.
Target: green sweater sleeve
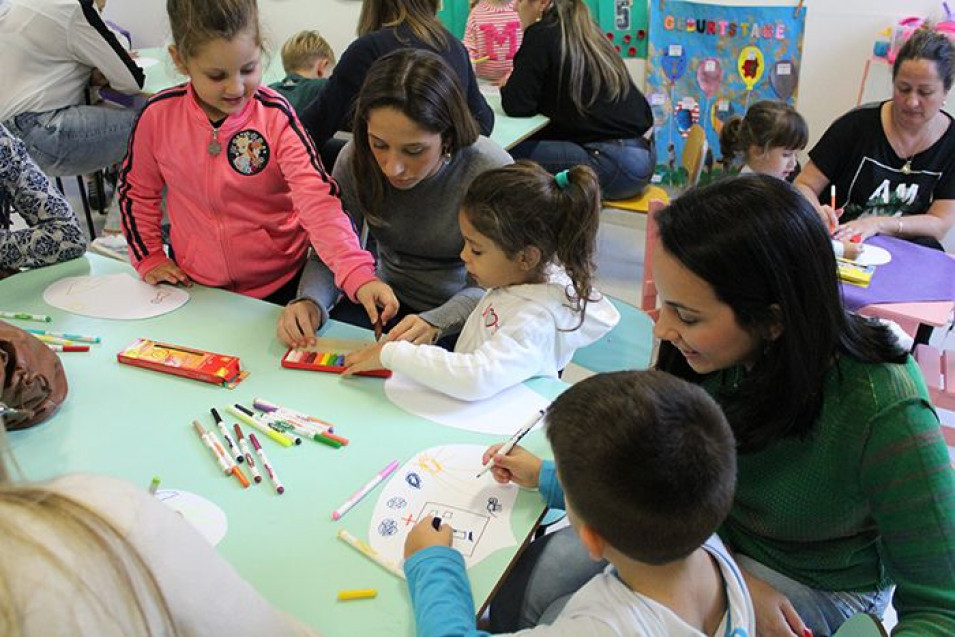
(907, 477)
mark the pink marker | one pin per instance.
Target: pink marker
(244, 446)
(265, 463)
(365, 490)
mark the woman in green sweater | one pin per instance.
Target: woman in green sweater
(844, 486)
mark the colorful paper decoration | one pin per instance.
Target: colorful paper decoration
(750, 65)
(783, 77)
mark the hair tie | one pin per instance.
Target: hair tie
(562, 181)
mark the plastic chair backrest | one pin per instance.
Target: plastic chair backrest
(694, 150)
(648, 289)
(861, 625)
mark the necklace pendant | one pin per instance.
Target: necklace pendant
(907, 167)
(214, 147)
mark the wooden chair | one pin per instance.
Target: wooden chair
(938, 370)
(861, 625)
(648, 289)
(694, 150)
(640, 203)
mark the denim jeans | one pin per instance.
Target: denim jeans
(555, 567)
(75, 140)
(623, 166)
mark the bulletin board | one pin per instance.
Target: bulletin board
(708, 62)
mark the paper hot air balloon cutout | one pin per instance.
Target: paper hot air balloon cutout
(686, 114)
(674, 62)
(750, 66)
(783, 77)
(721, 111)
(709, 75)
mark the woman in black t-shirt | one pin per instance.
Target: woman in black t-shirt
(893, 164)
(566, 70)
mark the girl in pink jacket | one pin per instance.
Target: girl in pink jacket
(245, 190)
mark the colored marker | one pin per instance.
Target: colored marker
(483, 58)
(263, 405)
(370, 553)
(233, 448)
(233, 467)
(26, 316)
(54, 340)
(358, 593)
(72, 337)
(378, 328)
(68, 348)
(247, 417)
(249, 460)
(207, 441)
(513, 440)
(279, 489)
(154, 485)
(285, 429)
(365, 490)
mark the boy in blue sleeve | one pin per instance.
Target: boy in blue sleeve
(645, 490)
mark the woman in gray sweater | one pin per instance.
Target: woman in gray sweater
(415, 151)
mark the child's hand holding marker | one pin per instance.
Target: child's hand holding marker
(427, 532)
(518, 466)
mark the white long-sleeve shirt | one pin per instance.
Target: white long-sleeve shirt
(50, 47)
(515, 333)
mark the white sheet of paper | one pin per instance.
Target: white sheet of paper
(206, 517)
(873, 255)
(441, 481)
(502, 414)
(144, 62)
(114, 296)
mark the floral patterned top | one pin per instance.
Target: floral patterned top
(54, 233)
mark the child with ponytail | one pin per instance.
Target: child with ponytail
(529, 240)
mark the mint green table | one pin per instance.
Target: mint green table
(164, 74)
(510, 131)
(134, 424)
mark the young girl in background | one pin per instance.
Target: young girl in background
(246, 192)
(767, 140)
(529, 238)
(492, 37)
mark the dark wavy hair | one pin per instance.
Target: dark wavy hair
(765, 252)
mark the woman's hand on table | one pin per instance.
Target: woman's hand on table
(167, 272)
(424, 535)
(364, 360)
(519, 466)
(861, 228)
(415, 329)
(378, 294)
(298, 323)
(775, 615)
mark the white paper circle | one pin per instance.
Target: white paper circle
(873, 255)
(114, 296)
(441, 481)
(206, 517)
(501, 415)
(144, 62)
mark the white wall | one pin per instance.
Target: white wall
(838, 40)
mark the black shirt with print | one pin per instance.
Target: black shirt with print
(870, 179)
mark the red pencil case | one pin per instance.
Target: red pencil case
(328, 355)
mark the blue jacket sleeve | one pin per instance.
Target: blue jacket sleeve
(441, 594)
(549, 485)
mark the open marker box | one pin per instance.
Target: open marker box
(328, 355)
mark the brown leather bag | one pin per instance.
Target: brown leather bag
(32, 381)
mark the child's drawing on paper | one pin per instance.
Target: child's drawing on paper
(114, 296)
(441, 481)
